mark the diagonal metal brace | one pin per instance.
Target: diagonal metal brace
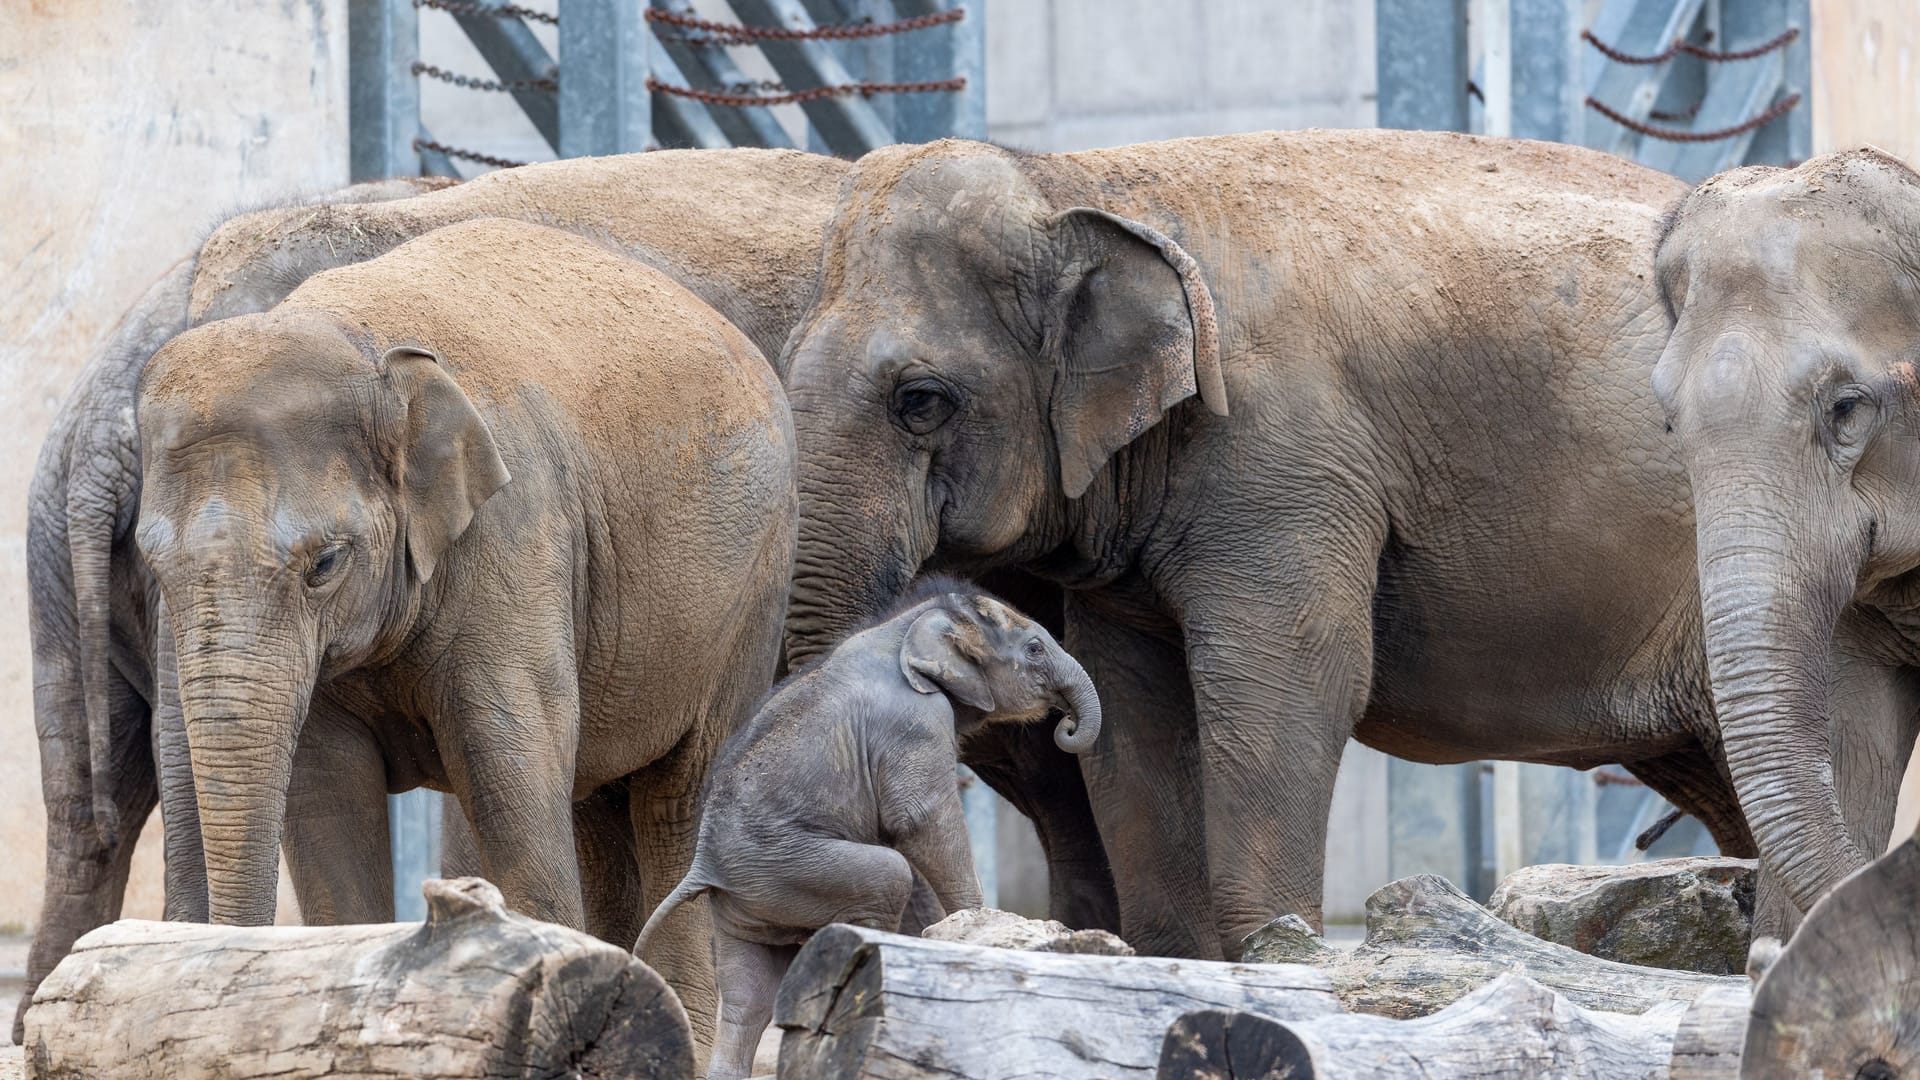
(710, 68)
(508, 47)
(848, 123)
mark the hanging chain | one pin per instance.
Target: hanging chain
(801, 97)
(719, 33)
(503, 11)
(1682, 46)
(468, 82)
(1779, 109)
(465, 155)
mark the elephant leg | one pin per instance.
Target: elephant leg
(86, 879)
(750, 975)
(1280, 650)
(186, 858)
(336, 840)
(1696, 782)
(509, 751)
(1043, 782)
(609, 867)
(665, 804)
(459, 851)
(1143, 782)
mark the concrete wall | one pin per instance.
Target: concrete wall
(1073, 74)
(126, 128)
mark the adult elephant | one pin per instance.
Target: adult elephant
(91, 616)
(1322, 433)
(1789, 382)
(740, 228)
(501, 513)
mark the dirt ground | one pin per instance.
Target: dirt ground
(13, 975)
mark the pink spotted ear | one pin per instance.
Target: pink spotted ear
(1132, 333)
(449, 466)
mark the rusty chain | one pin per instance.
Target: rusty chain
(719, 33)
(1680, 45)
(465, 155)
(468, 82)
(1776, 111)
(503, 11)
(801, 97)
(1677, 116)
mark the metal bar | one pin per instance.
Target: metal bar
(1736, 91)
(677, 121)
(413, 826)
(1496, 52)
(848, 124)
(1546, 97)
(1790, 138)
(1421, 55)
(383, 99)
(1638, 28)
(435, 163)
(941, 52)
(710, 68)
(604, 104)
(514, 54)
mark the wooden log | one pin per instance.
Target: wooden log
(1428, 945)
(475, 991)
(1692, 914)
(862, 1003)
(1707, 1045)
(1510, 1028)
(1843, 998)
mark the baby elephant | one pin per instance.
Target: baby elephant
(822, 808)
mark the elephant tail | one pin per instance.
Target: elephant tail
(689, 887)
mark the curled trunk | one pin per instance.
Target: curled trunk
(1079, 729)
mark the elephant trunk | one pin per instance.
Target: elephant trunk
(1078, 730)
(244, 697)
(856, 551)
(1770, 598)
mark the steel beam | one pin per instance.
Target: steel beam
(1433, 822)
(941, 52)
(383, 99)
(847, 123)
(515, 55)
(413, 827)
(1638, 28)
(710, 68)
(1421, 56)
(679, 121)
(1736, 91)
(1547, 100)
(604, 104)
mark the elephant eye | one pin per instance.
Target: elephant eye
(1849, 415)
(922, 405)
(329, 562)
(1035, 650)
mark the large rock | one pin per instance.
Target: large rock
(998, 929)
(1685, 914)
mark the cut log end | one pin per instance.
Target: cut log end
(1843, 998)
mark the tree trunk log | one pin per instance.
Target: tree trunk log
(1510, 1028)
(1843, 999)
(475, 991)
(862, 1003)
(1707, 1046)
(1428, 945)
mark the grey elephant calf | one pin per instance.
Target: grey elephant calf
(824, 806)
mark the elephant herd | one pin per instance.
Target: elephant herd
(522, 488)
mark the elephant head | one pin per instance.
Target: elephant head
(990, 658)
(1789, 379)
(975, 357)
(298, 490)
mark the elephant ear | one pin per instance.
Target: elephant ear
(1131, 332)
(448, 465)
(933, 658)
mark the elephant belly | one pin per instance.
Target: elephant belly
(1579, 672)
